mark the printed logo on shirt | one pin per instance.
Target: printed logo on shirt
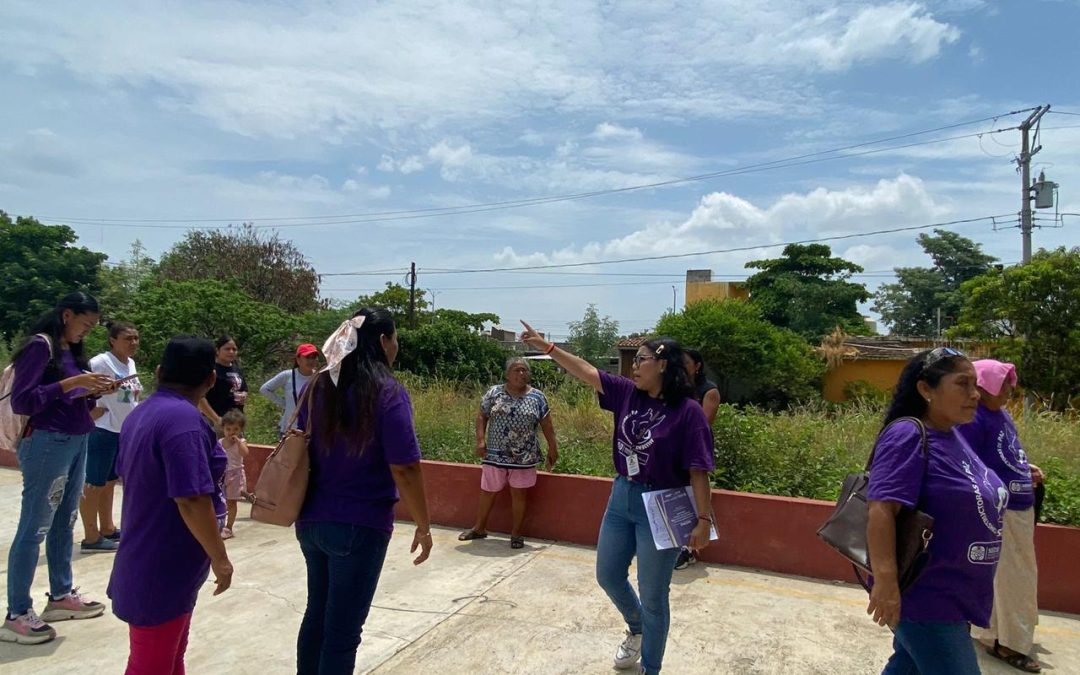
(1000, 502)
(636, 432)
(1011, 453)
(1020, 487)
(984, 552)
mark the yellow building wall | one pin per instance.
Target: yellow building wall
(715, 290)
(881, 374)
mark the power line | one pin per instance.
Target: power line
(389, 216)
(1064, 112)
(735, 249)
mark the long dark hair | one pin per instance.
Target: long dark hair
(929, 366)
(364, 372)
(51, 323)
(695, 356)
(675, 382)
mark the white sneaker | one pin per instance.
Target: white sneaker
(628, 653)
(26, 629)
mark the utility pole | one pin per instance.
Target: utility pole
(1024, 162)
(432, 293)
(673, 299)
(412, 295)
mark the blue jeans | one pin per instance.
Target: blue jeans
(932, 648)
(625, 533)
(343, 566)
(53, 470)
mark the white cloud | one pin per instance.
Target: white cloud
(723, 220)
(296, 70)
(606, 131)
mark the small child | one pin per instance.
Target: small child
(232, 426)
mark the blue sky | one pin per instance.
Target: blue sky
(276, 111)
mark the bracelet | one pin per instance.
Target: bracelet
(705, 518)
(424, 534)
(551, 348)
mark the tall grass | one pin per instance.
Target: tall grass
(804, 452)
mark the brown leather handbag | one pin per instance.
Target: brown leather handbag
(845, 530)
(282, 486)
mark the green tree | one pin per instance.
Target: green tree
(808, 291)
(911, 305)
(210, 308)
(269, 269)
(474, 322)
(753, 360)
(1032, 312)
(593, 338)
(121, 283)
(394, 299)
(39, 264)
(449, 350)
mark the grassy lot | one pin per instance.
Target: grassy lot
(804, 452)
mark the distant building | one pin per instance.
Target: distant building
(700, 286)
(878, 360)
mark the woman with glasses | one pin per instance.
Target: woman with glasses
(291, 382)
(937, 392)
(992, 434)
(661, 441)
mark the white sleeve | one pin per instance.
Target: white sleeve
(273, 385)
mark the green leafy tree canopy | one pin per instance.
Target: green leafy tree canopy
(593, 338)
(39, 264)
(911, 306)
(269, 269)
(753, 360)
(1032, 312)
(809, 291)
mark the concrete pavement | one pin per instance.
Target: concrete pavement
(481, 607)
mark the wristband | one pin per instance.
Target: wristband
(551, 348)
(705, 518)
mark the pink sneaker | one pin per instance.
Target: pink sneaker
(26, 629)
(72, 606)
(227, 533)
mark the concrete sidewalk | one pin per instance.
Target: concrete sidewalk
(480, 607)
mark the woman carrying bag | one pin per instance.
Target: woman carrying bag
(966, 499)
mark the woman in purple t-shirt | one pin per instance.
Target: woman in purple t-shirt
(992, 435)
(54, 390)
(363, 453)
(966, 499)
(661, 441)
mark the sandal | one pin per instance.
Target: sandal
(1016, 660)
(471, 534)
(517, 542)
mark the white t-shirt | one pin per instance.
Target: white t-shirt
(291, 382)
(119, 404)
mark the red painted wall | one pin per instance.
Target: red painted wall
(760, 531)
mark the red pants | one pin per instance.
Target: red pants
(158, 650)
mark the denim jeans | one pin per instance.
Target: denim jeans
(932, 648)
(53, 470)
(343, 566)
(625, 533)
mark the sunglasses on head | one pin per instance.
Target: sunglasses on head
(940, 354)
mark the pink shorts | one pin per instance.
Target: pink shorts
(495, 478)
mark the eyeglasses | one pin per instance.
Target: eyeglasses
(639, 358)
(940, 354)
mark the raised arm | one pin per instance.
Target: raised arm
(578, 367)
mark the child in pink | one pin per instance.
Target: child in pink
(236, 449)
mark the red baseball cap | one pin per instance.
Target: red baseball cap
(306, 349)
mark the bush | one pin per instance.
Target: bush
(754, 361)
(446, 350)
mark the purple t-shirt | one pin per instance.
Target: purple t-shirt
(992, 435)
(347, 486)
(42, 399)
(967, 501)
(668, 440)
(167, 450)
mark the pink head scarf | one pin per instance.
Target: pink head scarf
(991, 375)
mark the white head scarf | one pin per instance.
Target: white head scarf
(340, 344)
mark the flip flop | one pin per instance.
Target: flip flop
(1019, 661)
(471, 534)
(517, 542)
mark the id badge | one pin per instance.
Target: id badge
(632, 467)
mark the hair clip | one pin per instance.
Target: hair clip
(660, 350)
